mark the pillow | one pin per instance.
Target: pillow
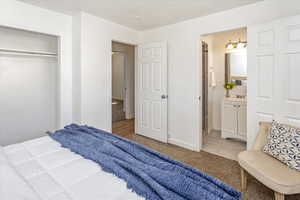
(283, 143)
(12, 186)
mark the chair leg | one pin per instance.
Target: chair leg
(279, 196)
(243, 180)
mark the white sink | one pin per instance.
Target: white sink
(236, 99)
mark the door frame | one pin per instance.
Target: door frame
(199, 87)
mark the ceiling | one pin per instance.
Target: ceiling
(142, 14)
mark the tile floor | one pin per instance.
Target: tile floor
(228, 148)
(224, 169)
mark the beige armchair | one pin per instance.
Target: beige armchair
(268, 170)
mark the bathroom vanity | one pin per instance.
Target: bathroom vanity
(234, 109)
(234, 118)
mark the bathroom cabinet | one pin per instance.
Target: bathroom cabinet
(234, 118)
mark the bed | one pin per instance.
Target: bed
(55, 173)
(53, 168)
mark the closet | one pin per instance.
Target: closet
(28, 85)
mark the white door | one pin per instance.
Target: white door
(289, 71)
(261, 71)
(273, 74)
(152, 97)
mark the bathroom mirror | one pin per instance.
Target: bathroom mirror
(236, 66)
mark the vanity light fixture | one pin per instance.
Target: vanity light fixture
(236, 45)
(230, 45)
(241, 44)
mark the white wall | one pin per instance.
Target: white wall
(95, 47)
(19, 15)
(216, 62)
(184, 60)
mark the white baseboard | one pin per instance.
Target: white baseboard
(181, 144)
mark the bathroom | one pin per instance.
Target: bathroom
(224, 120)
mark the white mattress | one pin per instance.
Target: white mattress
(55, 173)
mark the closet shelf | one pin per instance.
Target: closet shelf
(27, 53)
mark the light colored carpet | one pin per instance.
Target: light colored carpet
(224, 169)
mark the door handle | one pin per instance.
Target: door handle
(164, 96)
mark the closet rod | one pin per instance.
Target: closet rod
(28, 53)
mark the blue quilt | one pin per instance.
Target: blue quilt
(147, 172)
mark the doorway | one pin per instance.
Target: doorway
(122, 102)
(142, 94)
(224, 92)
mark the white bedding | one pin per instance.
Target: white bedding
(55, 173)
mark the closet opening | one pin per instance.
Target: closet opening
(224, 92)
(123, 89)
(29, 85)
